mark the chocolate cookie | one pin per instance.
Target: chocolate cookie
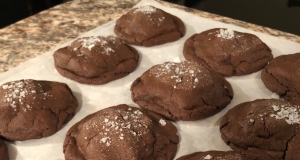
(181, 91)
(31, 109)
(213, 155)
(264, 129)
(282, 76)
(96, 60)
(149, 26)
(3, 151)
(227, 52)
(121, 132)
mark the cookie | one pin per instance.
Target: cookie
(181, 91)
(3, 151)
(96, 60)
(31, 109)
(149, 26)
(264, 129)
(121, 132)
(282, 76)
(227, 52)
(213, 155)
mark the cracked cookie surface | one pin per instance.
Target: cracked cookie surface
(227, 52)
(121, 132)
(282, 76)
(214, 155)
(264, 129)
(31, 109)
(96, 60)
(149, 26)
(3, 151)
(181, 91)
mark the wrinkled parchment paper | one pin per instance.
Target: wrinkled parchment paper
(201, 135)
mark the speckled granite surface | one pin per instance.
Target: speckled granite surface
(38, 34)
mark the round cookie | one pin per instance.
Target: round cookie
(3, 151)
(282, 76)
(96, 60)
(149, 26)
(213, 155)
(121, 132)
(266, 129)
(227, 52)
(31, 109)
(181, 91)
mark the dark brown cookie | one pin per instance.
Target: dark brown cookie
(213, 155)
(31, 109)
(3, 151)
(181, 91)
(96, 60)
(282, 76)
(265, 129)
(121, 132)
(227, 52)
(149, 26)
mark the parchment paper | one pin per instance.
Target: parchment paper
(201, 135)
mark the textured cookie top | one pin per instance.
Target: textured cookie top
(100, 45)
(227, 52)
(123, 130)
(263, 125)
(16, 92)
(32, 109)
(185, 75)
(149, 26)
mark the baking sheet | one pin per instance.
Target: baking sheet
(201, 135)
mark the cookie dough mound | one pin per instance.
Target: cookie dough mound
(282, 76)
(264, 129)
(213, 155)
(31, 109)
(121, 132)
(3, 151)
(149, 26)
(181, 91)
(227, 52)
(96, 60)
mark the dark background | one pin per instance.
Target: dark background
(282, 15)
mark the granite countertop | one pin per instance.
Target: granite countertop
(38, 34)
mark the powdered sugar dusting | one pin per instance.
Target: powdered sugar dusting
(183, 75)
(226, 33)
(145, 9)
(287, 112)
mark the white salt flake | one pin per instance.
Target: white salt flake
(5, 86)
(226, 33)
(288, 113)
(162, 122)
(208, 157)
(251, 120)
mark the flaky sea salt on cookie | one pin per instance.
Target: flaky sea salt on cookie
(181, 91)
(267, 129)
(96, 60)
(31, 109)
(149, 26)
(227, 52)
(213, 155)
(121, 133)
